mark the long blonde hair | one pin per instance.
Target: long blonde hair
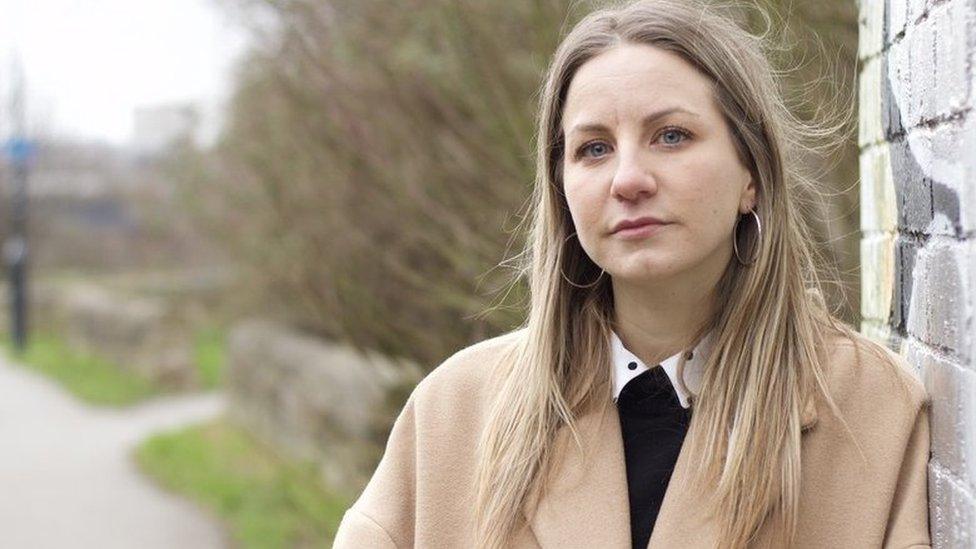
(768, 352)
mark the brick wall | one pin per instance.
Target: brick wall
(918, 216)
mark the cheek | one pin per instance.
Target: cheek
(578, 198)
(584, 204)
(709, 205)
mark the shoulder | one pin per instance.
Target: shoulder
(430, 453)
(464, 378)
(865, 375)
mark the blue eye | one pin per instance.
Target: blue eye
(597, 148)
(676, 133)
(673, 136)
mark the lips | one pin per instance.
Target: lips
(638, 222)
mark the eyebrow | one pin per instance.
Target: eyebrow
(646, 121)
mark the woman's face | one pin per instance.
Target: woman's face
(645, 138)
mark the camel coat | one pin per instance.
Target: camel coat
(422, 491)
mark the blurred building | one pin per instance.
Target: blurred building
(99, 207)
(82, 169)
(156, 128)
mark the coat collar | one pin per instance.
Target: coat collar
(685, 377)
(585, 503)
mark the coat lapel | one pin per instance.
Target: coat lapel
(586, 504)
(682, 520)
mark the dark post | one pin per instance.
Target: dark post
(15, 249)
(20, 151)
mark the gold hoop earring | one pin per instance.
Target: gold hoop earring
(571, 283)
(756, 246)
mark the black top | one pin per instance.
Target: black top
(653, 424)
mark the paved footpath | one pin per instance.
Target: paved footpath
(67, 479)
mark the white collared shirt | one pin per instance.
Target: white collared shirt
(627, 366)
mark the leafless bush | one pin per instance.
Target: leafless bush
(377, 158)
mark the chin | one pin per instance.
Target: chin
(646, 271)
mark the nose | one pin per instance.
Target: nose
(633, 179)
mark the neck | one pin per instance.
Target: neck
(659, 319)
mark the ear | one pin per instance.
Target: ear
(747, 200)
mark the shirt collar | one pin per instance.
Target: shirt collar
(623, 358)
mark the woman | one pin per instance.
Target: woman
(679, 381)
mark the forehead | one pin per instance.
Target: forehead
(632, 79)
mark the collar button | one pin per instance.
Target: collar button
(632, 365)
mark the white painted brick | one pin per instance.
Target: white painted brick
(925, 96)
(947, 162)
(878, 203)
(869, 219)
(877, 330)
(915, 10)
(952, 389)
(870, 21)
(951, 24)
(967, 188)
(877, 276)
(971, 245)
(920, 144)
(897, 84)
(921, 46)
(951, 301)
(940, 303)
(897, 18)
(948, 172)
(869, 98)
(917, 308)
(939, 523)
(952, 510)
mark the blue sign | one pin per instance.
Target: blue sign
(19, 150)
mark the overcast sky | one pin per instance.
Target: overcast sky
(89, 63)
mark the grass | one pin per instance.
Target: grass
(91, 378)
(267, 501)
(209, 354)
(101, 382)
